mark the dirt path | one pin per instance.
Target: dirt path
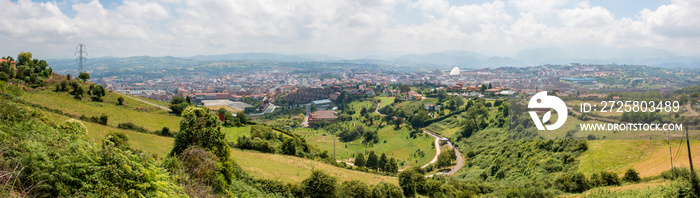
(135, 98)
(377, 109)
(691, 110)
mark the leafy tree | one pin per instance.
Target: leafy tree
(98, 92)
(372, 160)
(483, 87)
(120, 101)
(84, 76)
(24, 58)
(199, 127)
(392, 166)
(411, 180)
(382, 162)
(289, 147)
(241, 117)
(78, 92)
(68, 77)
(404, 88)
(360, 160)
(178, 104)
(572, 182)
(354, 189)
(319, 184)
(386, 190)
(444, 159)
(165, 132)
(631, 175)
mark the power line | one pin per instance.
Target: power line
(82, 53)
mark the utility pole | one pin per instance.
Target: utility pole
(690, 157)
(670, 153)
(81, 53)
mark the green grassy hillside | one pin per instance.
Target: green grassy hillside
(295, 169)
(141, 114)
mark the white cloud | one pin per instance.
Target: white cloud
(597, 17)
(343, 27)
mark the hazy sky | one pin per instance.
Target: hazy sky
(345, 28)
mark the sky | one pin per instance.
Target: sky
(343, 28)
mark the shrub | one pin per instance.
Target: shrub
(631, 176)
(604, 178)
(386, 190)
(572, 182)
(131, 126)
(319, 184)
(354, 189)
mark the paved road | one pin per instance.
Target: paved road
(437, 149)
(135, 98)
(460, 159)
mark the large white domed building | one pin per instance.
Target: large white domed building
(454, 72)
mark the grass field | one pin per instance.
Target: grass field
(141, 114)
(158, 145)
(648, 157)
(294, 169)
(386, 101)
(398, 145)
(232, 133)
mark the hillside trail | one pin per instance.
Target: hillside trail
(135, 98)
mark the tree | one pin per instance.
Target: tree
(483, 87)
(392, 166)
(354, 189)
(319, 184)
(120, 101)
(404, 88)
(24, 58)
(372, 160)
(631, 176)
(386, 190)
(289, 147)
(78, 92)
(178, 105)
(490, 86)
(199, 127)
(444, 159)
(382, 162)
(98, 92)
(241, 117)
(84, 76)
(360, 160)
(68, 77)
(188, 100)
(411, 180)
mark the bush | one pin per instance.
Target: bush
(604, 178)
(319, 184)
(572, 183)
(131, 126)
(354, 189)
(631, 176)
(386, 190)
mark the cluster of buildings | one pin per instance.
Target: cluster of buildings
(304, 88)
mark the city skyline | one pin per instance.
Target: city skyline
(352, 29)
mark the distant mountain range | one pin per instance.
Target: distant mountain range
(441, 60)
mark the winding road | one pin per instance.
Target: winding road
(460, 159)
